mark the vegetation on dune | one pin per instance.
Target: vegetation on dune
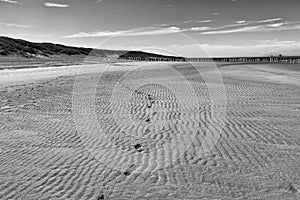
(22, 48)
(139, 55)
(18, 47)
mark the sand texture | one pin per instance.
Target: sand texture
(130, 132)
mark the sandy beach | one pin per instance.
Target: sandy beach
(139, 130)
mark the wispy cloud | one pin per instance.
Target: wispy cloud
(236, 30)
(184, 23)
(10, 1)
(56, 5)
(215, 13)
(132, 32)
(275, 25)
(240, 22)
(276, 41)
(205, 21)
(262, 48)
(162, 29)
(203, 28)
(14, 25)
(270, 20)
(254, 26)
(26, 34)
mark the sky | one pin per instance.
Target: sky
(192, 28)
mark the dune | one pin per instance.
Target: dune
(150, 131)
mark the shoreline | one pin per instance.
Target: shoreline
(278, 73)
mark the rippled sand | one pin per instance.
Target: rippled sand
(130, 132)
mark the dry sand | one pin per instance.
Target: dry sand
(49, 149)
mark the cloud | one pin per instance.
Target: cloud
(132, 32)
(270, 20)
(203, 28)
(98, 1)
(56, 5)
(253, 50)
(275, 25)
(275, 41)
(14, 25)
(236, 30)
(10, 1)
(240, 22)
(26, 34)
(238, 27)
(215, 13)
(205, 21)
(254, 26)
(223, 50)
(183, 23)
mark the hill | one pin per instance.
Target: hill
(22, 48)
(139, 55)
(25, 49)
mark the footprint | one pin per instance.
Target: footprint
(291, 188)
(137, 146)
(147, 131)
(203, 162)
(126, 173)
(212, 163)
(149, 97)
(130, 169)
